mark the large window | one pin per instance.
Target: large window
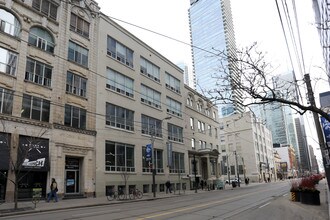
(120, 83)
(120, 52)
(8, 61)
(150, 96)
(35, 108)
(172, 83)
(119, 117)
(173, 107)
(151, 126)
(46, 7)
(75, 117)
(157, 161)
(6, 101)
(9, 23)
(38, 72)
(42, 39)
(175, 133)
(79, 25)
(78, 54)
(76, 84)
(177, 163)
(119, 157)
(149, 69)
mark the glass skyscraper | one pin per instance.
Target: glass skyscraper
(212, 32)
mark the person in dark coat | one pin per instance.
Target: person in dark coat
(168, 186)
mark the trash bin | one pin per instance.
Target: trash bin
(233, 183)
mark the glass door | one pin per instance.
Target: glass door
(72, 181)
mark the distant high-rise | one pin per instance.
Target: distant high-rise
(305, 160)
(212, 31)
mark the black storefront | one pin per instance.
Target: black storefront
(4, 162)
(33, 165)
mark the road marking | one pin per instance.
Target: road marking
(198, 206)
(264, 205)
(285, 194)
(93, 213)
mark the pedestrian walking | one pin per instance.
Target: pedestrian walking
(202, 184)
(168, 186)
(53, 191)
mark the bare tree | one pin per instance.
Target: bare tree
(20, 154)
(254, 79)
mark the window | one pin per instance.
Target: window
(157, 161)
(199, 106)
(35, 108)
(76, 84)
(119, 157)
(177, 163)
(193, 143)
(172, 83)
(192, 123)
(6, 101)
(46, 7)
(79, 25)
(209, 129)
(120, 83)
(203, 127)
(151, 126)
(173, 107)
(38, 72)
(8, 61)
(42, 39)
(119, 52)
(9, 24)
(149, 69)
(199, 125)
(175, 133)
(75, 117)
(150, 97)
(119, 117)
(78, 54)
(216, 132)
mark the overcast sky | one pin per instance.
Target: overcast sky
(254, 21)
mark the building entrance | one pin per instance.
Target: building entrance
(72, 175)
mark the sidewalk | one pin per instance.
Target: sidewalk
(6, 209)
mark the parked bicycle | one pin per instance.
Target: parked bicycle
(135, 193)
(112, 194)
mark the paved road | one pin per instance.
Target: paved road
(241, 203)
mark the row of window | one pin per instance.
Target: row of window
(202, 145)
(116, 116)
(199, 107)
(201, 127)
(39, 109)
(120, 157)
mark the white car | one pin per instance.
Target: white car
(233, 180)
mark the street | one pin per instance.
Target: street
(262, 201)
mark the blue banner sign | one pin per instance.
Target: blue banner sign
(148, 152)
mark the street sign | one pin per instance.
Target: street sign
(148, 152)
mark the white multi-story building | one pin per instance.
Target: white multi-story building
(246, 148)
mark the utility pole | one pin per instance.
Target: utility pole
(228, 169)
(237, 170)
(318, 128)
(195, 171)
(244, 169)
(153, 165)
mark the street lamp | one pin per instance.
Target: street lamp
(153, 158)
